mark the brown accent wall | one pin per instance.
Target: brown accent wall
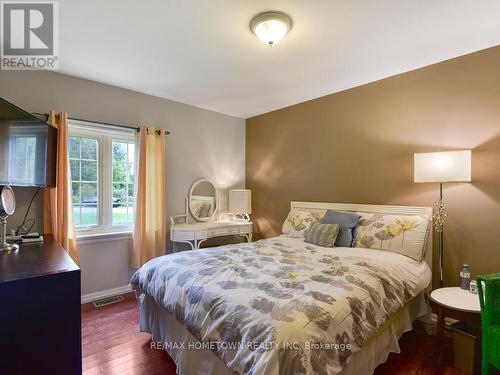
(357, 146)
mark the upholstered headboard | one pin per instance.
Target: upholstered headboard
(320, 209)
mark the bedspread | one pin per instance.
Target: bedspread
(282, 306)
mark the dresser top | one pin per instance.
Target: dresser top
(35, 260)
(211, 225)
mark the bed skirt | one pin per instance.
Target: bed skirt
(192, 359)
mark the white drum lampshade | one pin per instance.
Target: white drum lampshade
(240, 201)
(445, 166)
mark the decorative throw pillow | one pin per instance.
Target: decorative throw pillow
(403, 234)
(322, 234)
(347, 221)
(297, 222)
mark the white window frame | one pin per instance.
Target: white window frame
(105, 136)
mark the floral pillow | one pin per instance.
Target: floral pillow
(297, 222)
(403, 234)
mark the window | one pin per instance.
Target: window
(84, 163)
(102, 178)
(123, 182)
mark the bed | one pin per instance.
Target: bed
(283, 306)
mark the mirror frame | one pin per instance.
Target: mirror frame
(7, 211)
(191, 211)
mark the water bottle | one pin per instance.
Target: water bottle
(465, 277)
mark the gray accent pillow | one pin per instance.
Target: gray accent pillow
(322, 234)
(348, 223)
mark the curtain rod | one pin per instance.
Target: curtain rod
(100, 123)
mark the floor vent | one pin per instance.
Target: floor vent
(107, 301)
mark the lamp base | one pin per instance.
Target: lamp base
(228, 216)
(241, 217)
(8, 247)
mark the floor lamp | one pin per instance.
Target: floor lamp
(442, 167)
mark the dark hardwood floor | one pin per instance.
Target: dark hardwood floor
(112, 344)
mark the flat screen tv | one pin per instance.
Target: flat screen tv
(27, 148)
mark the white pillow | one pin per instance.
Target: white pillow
(402, 234)
(297, 222)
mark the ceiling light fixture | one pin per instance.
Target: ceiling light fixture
(271, 27)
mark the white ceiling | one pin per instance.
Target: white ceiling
(201, 52)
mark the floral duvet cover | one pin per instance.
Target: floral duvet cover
(282, 306)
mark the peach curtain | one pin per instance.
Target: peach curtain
(150, 231)
(58, 209)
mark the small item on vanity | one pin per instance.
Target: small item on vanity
(31, 237)
(465, 277)
(32, 240)
(473, 287)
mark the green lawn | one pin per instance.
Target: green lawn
(88, 216)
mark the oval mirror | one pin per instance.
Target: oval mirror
(7, 201)
(203, 200)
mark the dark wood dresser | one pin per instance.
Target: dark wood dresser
(40, 328)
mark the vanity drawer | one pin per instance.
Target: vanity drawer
(223, 231)
(183, 235)
(245, 228)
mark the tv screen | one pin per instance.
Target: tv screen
(27, 148)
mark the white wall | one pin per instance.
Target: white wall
(202, 144)
(104, 263)
(23, 197)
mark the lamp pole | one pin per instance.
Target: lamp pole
(441, 239)
(439, 217)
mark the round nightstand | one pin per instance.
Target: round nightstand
(454, 303)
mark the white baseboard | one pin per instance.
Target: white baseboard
(89, 297)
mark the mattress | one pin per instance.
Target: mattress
(280, 305)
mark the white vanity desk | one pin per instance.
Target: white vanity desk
(203, 204)
(197, 233)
